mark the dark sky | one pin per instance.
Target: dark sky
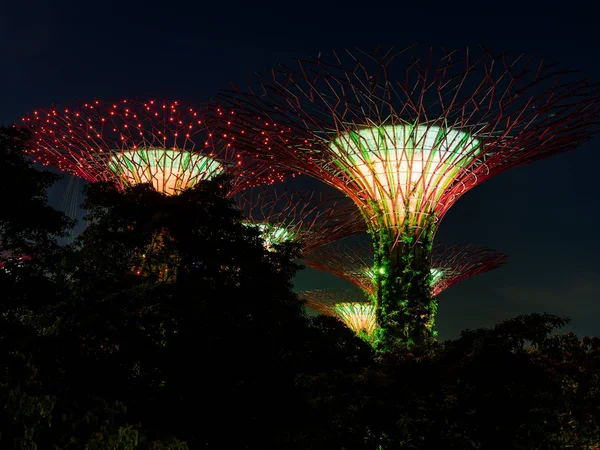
(543, 215)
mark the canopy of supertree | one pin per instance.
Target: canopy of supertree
(130, 142)
(450, 263)
(405, 134)
(351, 307)
(306, 217)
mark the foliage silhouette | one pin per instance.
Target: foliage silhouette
(168, 325)
(485, 390)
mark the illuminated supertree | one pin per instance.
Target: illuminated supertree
(450, 263)
(351, 307)
(306, 217)
(130, 142)
(405, 137)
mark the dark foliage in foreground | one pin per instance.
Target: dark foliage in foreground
(486, 389)
(169, 326)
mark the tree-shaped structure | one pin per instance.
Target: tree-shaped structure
(349, 306)
(309, 218)
(450, 263)
(405, 136)
(130, 142)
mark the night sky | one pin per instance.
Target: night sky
(544, 215)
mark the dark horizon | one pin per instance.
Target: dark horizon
(542, 215)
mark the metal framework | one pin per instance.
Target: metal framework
(405, 135)
(457, 262)
(351, 307)
(128, 142)
(450, 263)
(416, 132)
(307, 217)
(352, 262)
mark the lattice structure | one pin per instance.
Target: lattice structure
(415, 137)
(352, 308)
(352, 262)
(457, 262)
(307, 217)
(450, 263)
(129, 142)
(404, 136)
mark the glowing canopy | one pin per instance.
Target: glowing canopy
(169, 171)
(357, 316)
(349, 306)
(405, 168)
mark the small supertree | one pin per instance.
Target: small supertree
(405, 137)
(130, 142)
(450, 263)
(306, 217)
(349, 306)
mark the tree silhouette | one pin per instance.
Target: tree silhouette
(487, 389)
(169, 325)
(218, 333)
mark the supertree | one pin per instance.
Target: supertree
(349, 306)
(306, 217)
(129, 142)
(404, 137)
(450, 264)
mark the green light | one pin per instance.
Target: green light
(272, 234)
(405, 168)
(357, 316)
(436, 275)
(169, 171)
